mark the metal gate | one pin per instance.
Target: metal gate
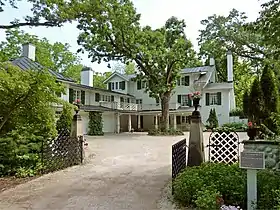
(223, 147)
(179, 160)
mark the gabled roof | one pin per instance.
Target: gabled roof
(200, 69)
(25, 63)
(116, 74)
(98, 89)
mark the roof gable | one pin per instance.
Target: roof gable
(114, 74)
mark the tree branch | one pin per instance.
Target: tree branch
(36, 24)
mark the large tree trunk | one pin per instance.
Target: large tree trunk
(164, 124)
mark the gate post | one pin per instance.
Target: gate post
(196, 149)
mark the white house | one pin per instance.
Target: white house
(126, 105)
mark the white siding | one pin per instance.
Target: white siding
(118, 79)
(109, 122)
(85, 120)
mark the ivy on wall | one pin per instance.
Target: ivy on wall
(95, 124)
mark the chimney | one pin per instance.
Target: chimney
(28, 50)
(229, 67)
(212, 61)
(87, 76)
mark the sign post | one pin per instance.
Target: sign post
(252, 161)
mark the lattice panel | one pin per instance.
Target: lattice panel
(223, 147)
(178, 157)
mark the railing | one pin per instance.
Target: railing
(120, 106)
(136, 107)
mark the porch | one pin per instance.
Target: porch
(144, 121)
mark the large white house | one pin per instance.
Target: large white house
(126, 105)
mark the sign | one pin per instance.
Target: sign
(252, 160)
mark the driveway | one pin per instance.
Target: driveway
(125, 171)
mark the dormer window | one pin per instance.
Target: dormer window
(141, 84)
(183, 81)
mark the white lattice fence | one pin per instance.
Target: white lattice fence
(223, 147)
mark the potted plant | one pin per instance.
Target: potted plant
(77, 103)
(252, 130)
(195, 97)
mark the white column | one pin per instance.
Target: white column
(139, 122)
(174, 122)
(129, 123)
(118, 125)
(156, 122)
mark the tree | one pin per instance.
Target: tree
(212, 119)
(270, 95)
(57, 56)
(246, 103)
(25, 100)
(65, 119)
(256, 102)
(231, 33)
(159, 54)
(44, 13)
(99, 78)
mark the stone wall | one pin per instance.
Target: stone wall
(270, 148)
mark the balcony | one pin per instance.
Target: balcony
(120, 105)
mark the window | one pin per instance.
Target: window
(97, 97)
(113, 86)
(117, 85)
(213, 98)
(183, 119)
(122, 85)
(183, 81)
(184, 100)
(138, 101)
(141, 84)
(76, 94)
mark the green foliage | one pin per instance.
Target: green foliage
(57, 56)
(95, 124)
(25, 100)
(99, 78)
(169, 132)
(42, 13)
(206, 198)
(159, 54)
(65, 119)
(229, 181)
(20, 153)
(246, 106)
(237, 126)
(212, 119)
(255, 101)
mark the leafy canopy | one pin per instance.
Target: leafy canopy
(116, 34)
(26, 99)
(57, 56)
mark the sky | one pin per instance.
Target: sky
(153, 13)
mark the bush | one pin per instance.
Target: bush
(65, 119)
(236, 112)
(169, 132)
(236, 126)
(95, 125)
(212, 119)
(200, 186)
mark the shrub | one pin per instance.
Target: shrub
(65, 119)
(95, 125)
(235, 126)
(236, 112)
(169, 132)
(199, 186)
(212, 119)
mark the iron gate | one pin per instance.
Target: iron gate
(223, 147)
(179, 160)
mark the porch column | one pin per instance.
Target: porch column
(139, 122)
(156, 122)
(129, 123)
(118, 125)
(174, 122)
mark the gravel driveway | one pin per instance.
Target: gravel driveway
(125, 171)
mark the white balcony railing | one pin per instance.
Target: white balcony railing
(120, 106)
